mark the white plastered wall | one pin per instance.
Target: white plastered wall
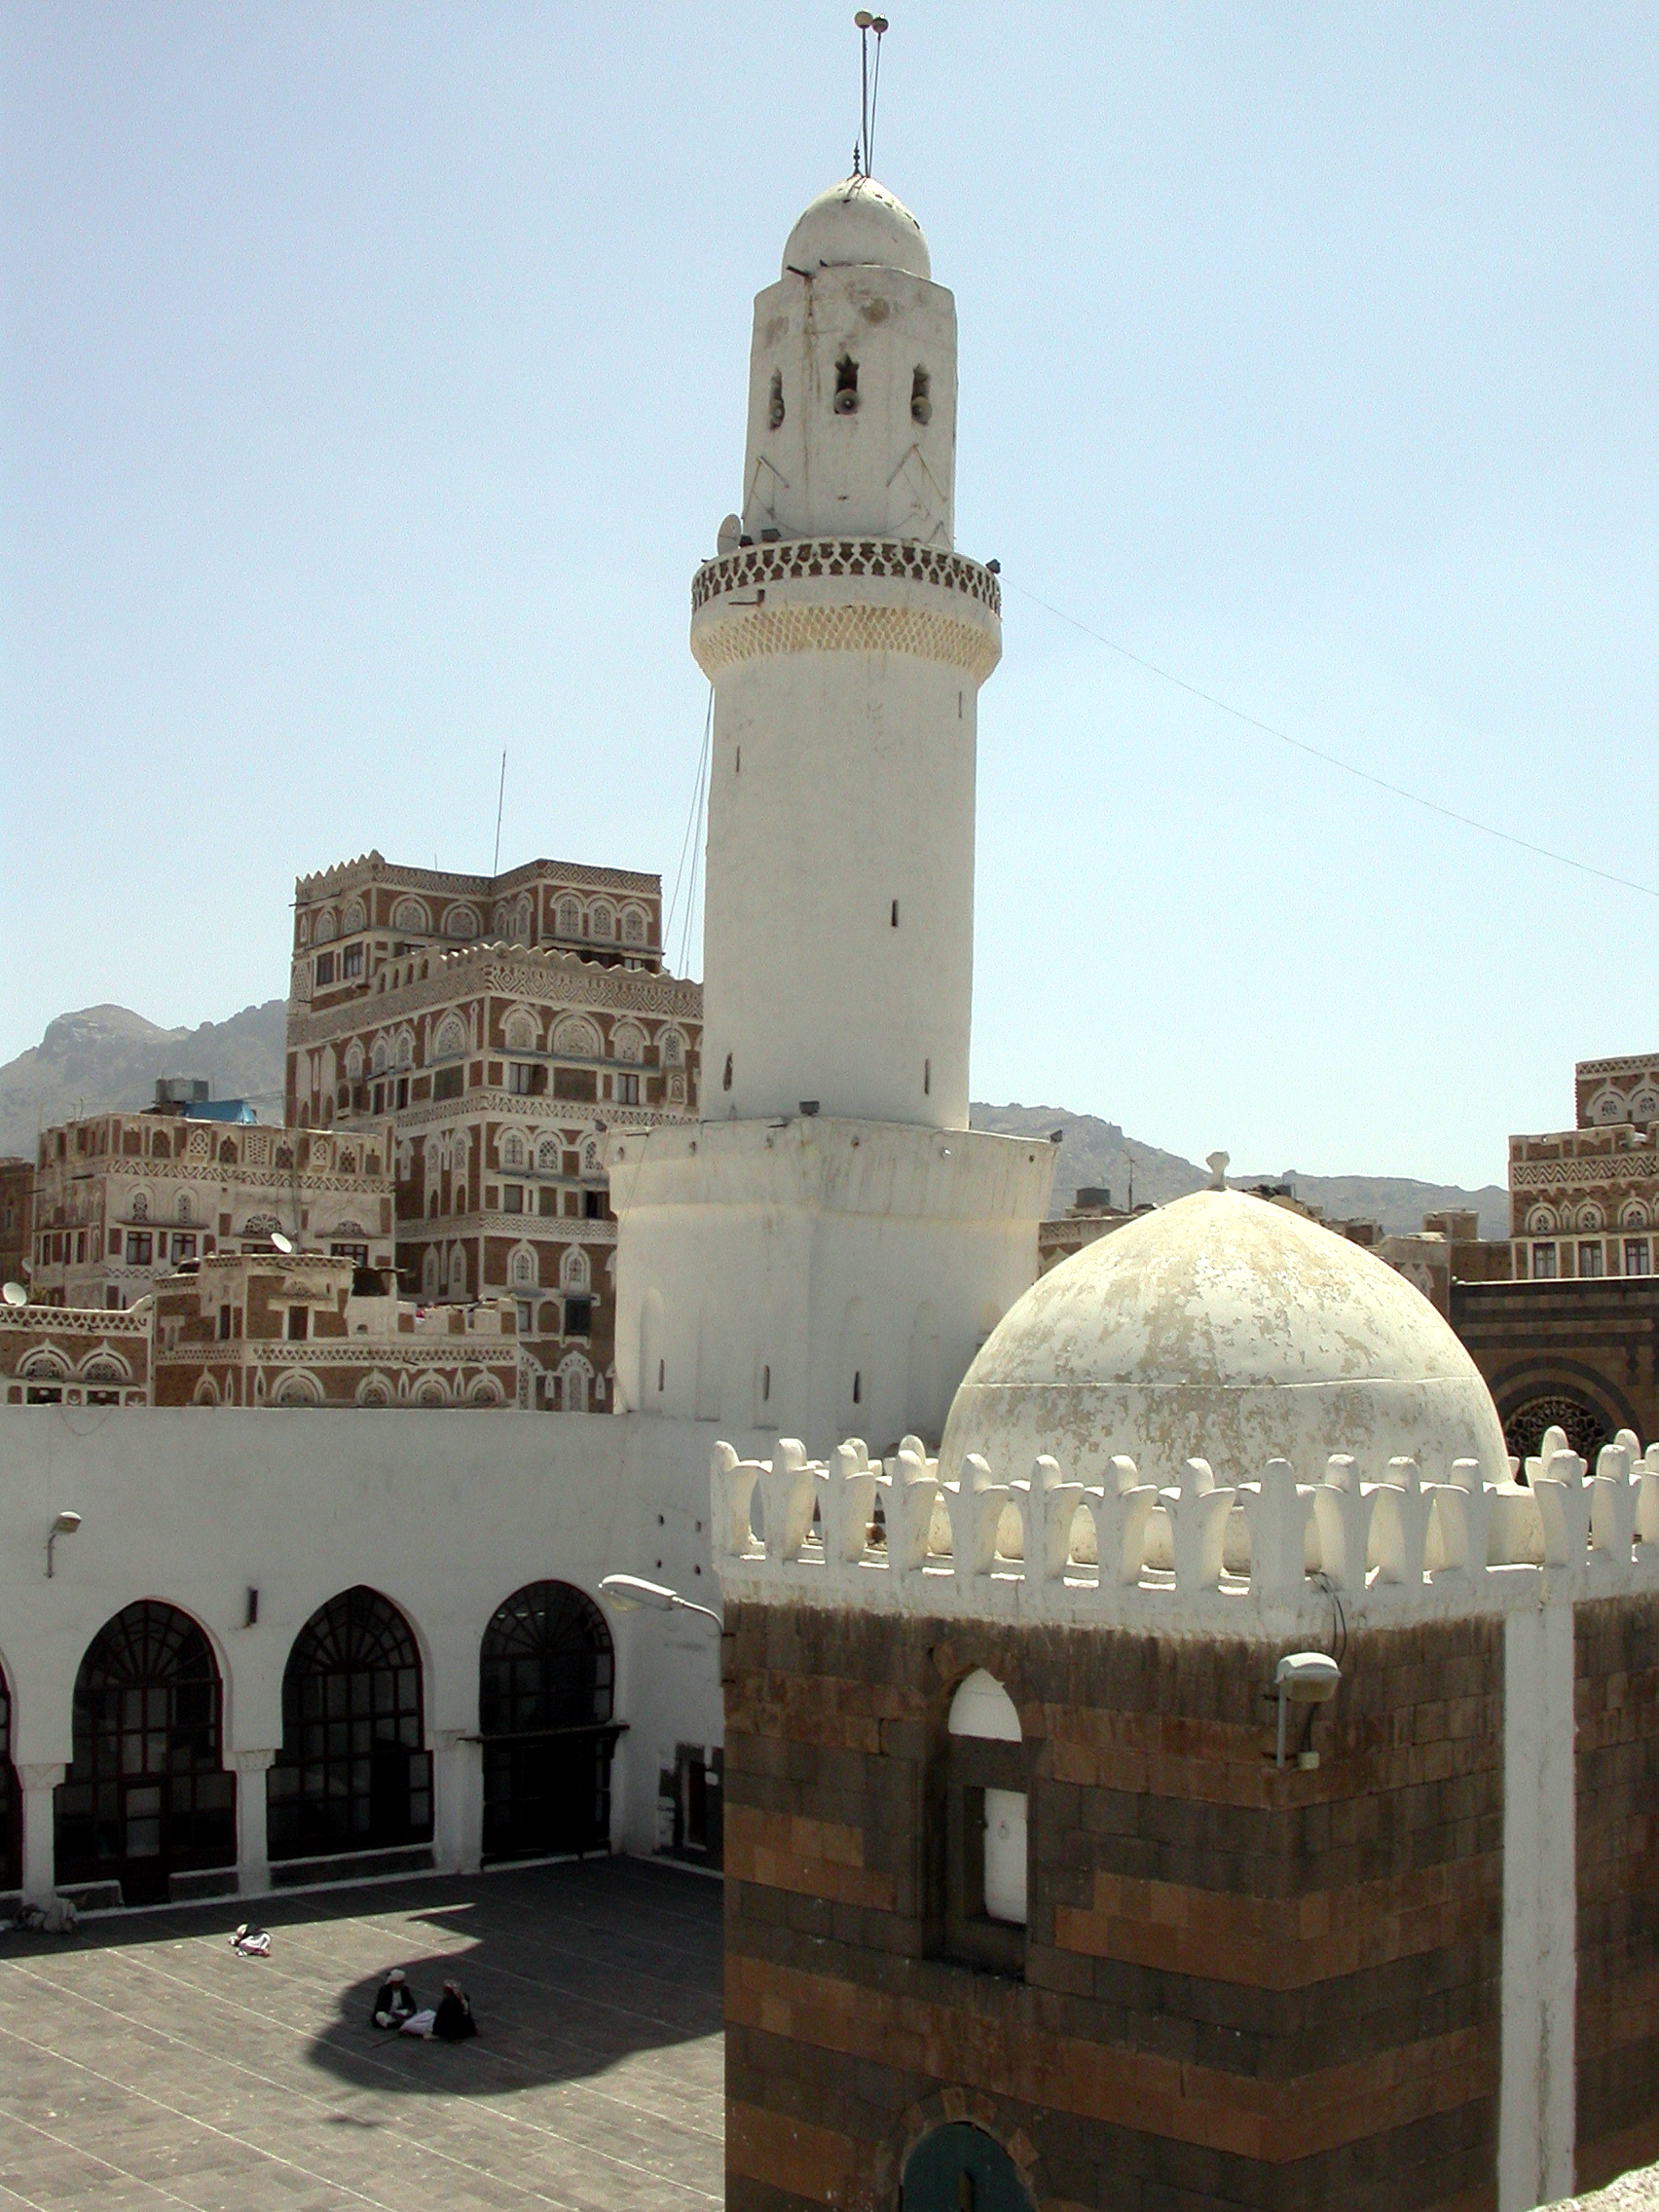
(445, 1514)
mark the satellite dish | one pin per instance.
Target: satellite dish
(729, 535)
(283, 1244)
(14, 1294)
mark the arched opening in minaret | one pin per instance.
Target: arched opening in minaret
(775, 405)
(725, 1079)
(895, 913)
(921, 403)
(846, 386)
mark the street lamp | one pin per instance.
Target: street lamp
(631, 1594)
(65, 1525)
(1304, 1677)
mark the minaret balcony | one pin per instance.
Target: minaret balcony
(848, 595)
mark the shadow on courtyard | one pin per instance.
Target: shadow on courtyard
(572, 1970)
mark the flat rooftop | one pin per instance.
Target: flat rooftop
(143, 2063)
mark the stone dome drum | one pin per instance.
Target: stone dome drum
(1228, 1329)
(857, 224)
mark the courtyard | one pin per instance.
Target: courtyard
(144, 2063)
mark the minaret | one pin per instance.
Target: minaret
(846, 642)
(825, 1251)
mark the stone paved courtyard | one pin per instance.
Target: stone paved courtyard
(143, 2064)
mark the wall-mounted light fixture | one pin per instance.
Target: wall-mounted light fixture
(1304, 1677)
(65, 1525)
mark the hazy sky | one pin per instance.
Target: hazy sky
(374, 381)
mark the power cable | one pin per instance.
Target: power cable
(1332, 760)
(690, 822)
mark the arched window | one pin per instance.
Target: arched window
(986, 1841)
(298, 1389)
(354, 1773)
(522, 1267)
(451, 1037)
(570, 918)
(520, 1030)
(457, 1273)
(632, 926)
(323, 931)
(1541, 1221)
(672, 1047)
(1644, 1106)
(574, 1271)
(353, 1061)
(11, 1802)
(548, 1156)
(1590, 1217)
(228, 1152)
(405, 1049)
(1606, 1108)
(512, 1149)
(546, 1675)
(354, 918)
(602, 920)
(378, 1058)
(411, 916)
(575, 1383)
(145, 1796)
(139, 1209)
(590, 1157)
(462, 921)
(627, 1044)
(429, 1269)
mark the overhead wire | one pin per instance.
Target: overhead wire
(691, 821)
(1332, 760)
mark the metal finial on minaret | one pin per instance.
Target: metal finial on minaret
(870, 88)
(1217, 1163)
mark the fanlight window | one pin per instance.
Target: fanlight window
(524, 1268)
(1609, 1107)
(324, 928)
(602, 922)
(457, 1273)
(185, 1209)
(406, 1050)
(521, 1031)
(575, 1383)
(512, 1151)
(570, 919)
(354, 918)
(378, 1058)
(1644, 1106)
(140, 1209)
(462, 921)
(353, 1061)
(576, 1039)
(673, 1047)
(590, 1157)
(627, 1044)
(574, 1270)
(1541, 1221)
(451, 1037)
(548, 1156)
(632, 926)
(1590, 1217)
(410, 915)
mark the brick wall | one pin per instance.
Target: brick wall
(1616, 1708)
(1241, 1986)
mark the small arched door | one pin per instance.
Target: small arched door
(11, 1801)
(547, 1672)
(354, 1773)
(145, 1796)
(960, 2169)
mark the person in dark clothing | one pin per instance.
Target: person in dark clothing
(395, 2002)
(453, 2021)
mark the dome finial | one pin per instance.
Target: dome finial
(870, 88)
(1217, 1162)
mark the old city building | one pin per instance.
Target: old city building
(50, 1357)
(300, 1329)
(506, 1025)
(121, 1199)
(1584, 1203)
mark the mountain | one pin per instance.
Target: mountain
(106, 1057)
(1097, 1153)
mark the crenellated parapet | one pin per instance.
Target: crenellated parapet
(1196, 1554)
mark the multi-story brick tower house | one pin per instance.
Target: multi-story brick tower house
(503, 1025)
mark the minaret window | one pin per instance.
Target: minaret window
(725, 1079)
(895, 913)
(775, 405)
(921, 405)
(927, 1079)
(846, 386)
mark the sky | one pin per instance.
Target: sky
(374, 381)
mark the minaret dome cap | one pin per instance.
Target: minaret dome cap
(857, 224)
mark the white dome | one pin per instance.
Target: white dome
(1227, 1329)
(857, 224)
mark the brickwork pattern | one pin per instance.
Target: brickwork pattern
(1242, 1986)
(1616, 1700)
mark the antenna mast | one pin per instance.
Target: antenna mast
(870, 88)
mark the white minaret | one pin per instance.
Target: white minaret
(824, 1253)
(846, 642)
